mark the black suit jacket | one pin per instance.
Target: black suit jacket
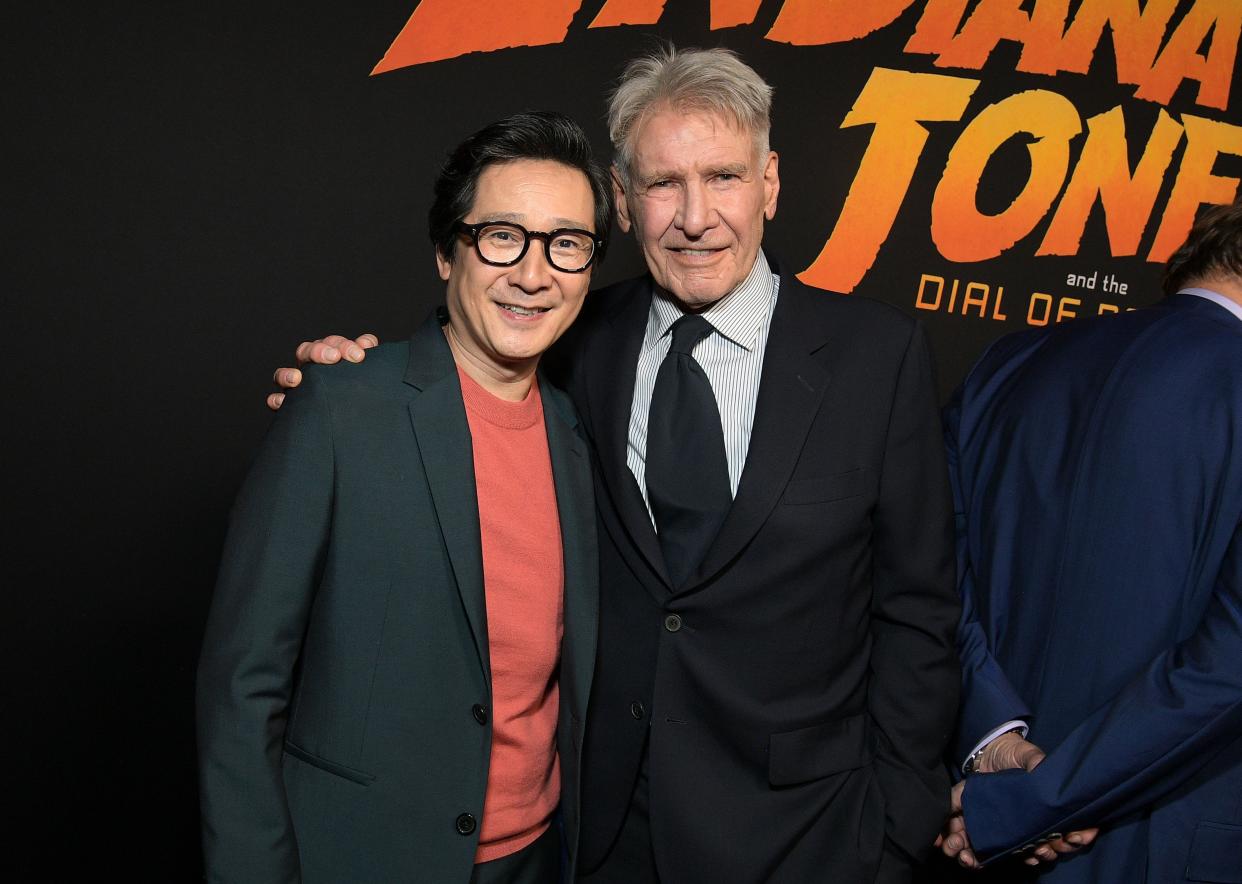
(347, 641)
(798, 714)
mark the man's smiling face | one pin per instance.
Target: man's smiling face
(697, 199)
(504, 318)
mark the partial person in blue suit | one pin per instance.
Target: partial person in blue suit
(1097, 479)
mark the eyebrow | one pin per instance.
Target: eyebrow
(739, 169)
(519, 218)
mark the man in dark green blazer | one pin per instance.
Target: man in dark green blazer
(353, 720)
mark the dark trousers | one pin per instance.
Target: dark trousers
(632, 858)
(537, 863)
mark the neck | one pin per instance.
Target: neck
(1228, 286)
(509, 383)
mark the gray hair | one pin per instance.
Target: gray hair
(712, 80)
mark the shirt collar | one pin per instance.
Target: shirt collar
(1228, 303)
(738, 316)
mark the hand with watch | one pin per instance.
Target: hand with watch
(1007, 751)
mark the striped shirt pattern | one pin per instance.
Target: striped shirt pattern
(731, 357)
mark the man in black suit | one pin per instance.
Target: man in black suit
(395, 669)
(776, 678)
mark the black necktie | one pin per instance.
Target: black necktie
(687, 472)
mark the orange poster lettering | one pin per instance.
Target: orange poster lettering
(1103, 171)
(959, 230)
(815, 22)
(731, 13)
(1136, 36)
(936, 26)
(441, 29)
(1049, 47)
(991, 22)
(628, 12)
(1180, 60)
(894, 102)
(1195, 184)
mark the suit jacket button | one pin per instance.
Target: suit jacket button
(672, 623)
(479, 713)
(637, 710)
(466, 824)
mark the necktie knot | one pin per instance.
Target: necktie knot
(688, 331)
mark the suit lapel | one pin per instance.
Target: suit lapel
(438, 417)
(571, 473)
(791, 388)
(610, 389)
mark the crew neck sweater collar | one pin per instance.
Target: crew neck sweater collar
(501, 412)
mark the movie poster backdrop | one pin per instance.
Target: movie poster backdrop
(194, 188)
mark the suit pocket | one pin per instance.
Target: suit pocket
(823, 489)
(1215, 854)
(362, 778)
(818, 751)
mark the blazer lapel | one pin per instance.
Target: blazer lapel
(438, 417)
(791, 389)
(571, 473)
(610, 390)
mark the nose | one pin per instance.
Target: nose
(696, 215)
(533, 273)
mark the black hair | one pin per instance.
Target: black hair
(534, 135)
(1213, 248)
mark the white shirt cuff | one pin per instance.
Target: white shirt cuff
(1015, 725)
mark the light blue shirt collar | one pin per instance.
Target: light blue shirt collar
(1228, 303)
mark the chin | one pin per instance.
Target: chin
(702, 295)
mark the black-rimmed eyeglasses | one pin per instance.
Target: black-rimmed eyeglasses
(503, 244)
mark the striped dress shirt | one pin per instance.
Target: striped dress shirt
(731, 357)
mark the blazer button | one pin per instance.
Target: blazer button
(637, 710)
(479, 713)
(672, 623)
(466, 824)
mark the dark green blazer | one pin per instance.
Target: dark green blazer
(346, 649)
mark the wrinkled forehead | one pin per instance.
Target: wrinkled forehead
(675, 136)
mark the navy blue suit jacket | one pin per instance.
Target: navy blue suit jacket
(1097, 478)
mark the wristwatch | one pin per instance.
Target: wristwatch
(972, 763)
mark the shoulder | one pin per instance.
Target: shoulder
(856, 310)
(604, 312)
(850, 326)
(382, 366)
(357, 389)
(617, 292)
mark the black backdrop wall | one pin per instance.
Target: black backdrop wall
(194, 188)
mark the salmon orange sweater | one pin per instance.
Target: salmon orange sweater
(523, 579)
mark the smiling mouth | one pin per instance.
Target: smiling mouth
(523, 311)
(696, 253)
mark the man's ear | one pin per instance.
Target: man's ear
(618, 195)
(771, 185)
(443, 265)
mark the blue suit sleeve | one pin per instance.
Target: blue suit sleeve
(988, 699)
(1153, 735)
